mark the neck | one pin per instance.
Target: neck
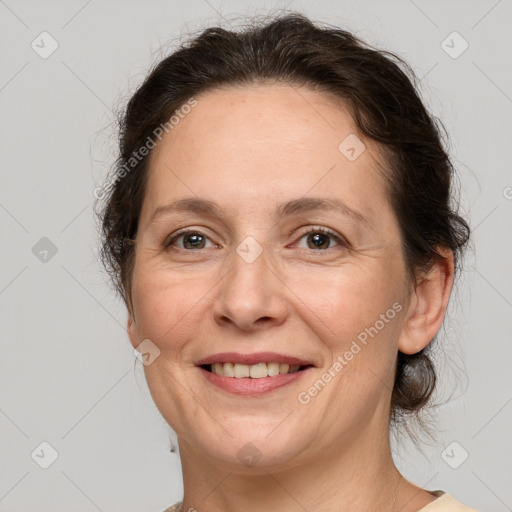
(360, 475)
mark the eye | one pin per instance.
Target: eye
(321, 239)
(316, 239)
(191, 240)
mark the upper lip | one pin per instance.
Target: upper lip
(250, 359)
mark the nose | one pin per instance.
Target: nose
(251, 296)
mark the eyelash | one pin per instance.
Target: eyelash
(342, 241)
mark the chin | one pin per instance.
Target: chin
(254, 446)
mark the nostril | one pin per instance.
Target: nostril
(263, 320)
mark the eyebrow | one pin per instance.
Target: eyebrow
(293, 207)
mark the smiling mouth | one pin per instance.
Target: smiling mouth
(253, 371)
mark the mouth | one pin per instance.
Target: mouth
(253, 371)
(252, 374)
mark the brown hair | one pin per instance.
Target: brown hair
(377, 86)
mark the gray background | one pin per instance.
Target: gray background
(67, 372)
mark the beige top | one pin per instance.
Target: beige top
(445, 503)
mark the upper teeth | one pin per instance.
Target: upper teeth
(255, 371)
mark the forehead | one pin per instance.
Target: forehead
(263, 141)
(257, 119)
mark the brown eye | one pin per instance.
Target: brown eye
(191, 240)
(322, 239)
(318, 241)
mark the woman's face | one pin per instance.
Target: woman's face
(281, 247)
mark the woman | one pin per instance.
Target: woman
(280, 228)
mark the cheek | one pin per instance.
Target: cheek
(167, 306)
(345, 300)
(360, 312)
(357, 313)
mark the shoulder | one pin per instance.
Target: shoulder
(446, 503)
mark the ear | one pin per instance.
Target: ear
(428, 304)
(133, 331)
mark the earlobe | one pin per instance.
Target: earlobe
(428, 305)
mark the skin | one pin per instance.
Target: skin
(249, 150)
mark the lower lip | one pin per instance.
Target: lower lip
(246, 386)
